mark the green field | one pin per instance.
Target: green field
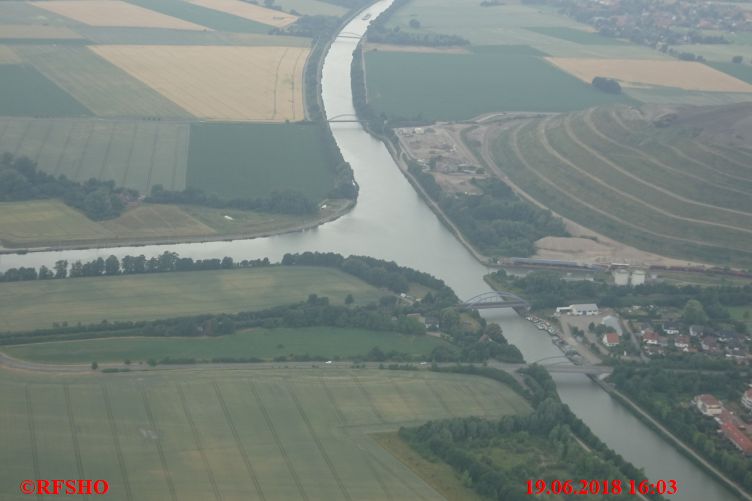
(461, 86)
(37, 304)
(312, 7)
(662, 191)
(106, 90)
(740, 71)
(135, 154)
(26, 92)
(509, 24)
(252, 160)
(576, 35)
(230, 434)
(210, 18)
(327, 342)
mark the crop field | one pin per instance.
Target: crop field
(239, 434)
(252, 160)
(213, 19)
(38, 32)
(327, 342)
(617, 174)
(219, 82)
(105, 89)
(135, 154)
(739, 71)
(671, 95)
(459, 86)
(312, 7)
(33, 305)
(26, 92)
(537, 25)
(114, 13)
(678, 74)
(8, 56)
(250, 11)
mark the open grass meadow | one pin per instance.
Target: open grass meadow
(37, 304)
(26, 92)
(252, 160)
(740, 71)
(230, 434)
(620, 176)
(461, 86)
(266, 344)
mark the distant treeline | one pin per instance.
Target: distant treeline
(21, 180)
(498, 222)
(462, 442)
(283, 202)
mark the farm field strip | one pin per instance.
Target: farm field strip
(686, 75)
(114, 13)
(312, 7)
(141, 297)
(679, 196)
(705, 178)
(102, 87)
(237, 434)
(707, 164)
(127, 152)
(250, 11)
(571, 201)
(219, 82)
(8, 56)
(38, 32)
(212, 19)
(603, 177)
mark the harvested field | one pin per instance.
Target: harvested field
(135, 154)
(214, 19)
(168, 295)
(250, 11)
(220, 83)
(657, 190)
(40, 32)
(7, 56)
(204, 434)
(635, 72)
(102, 87)
(115, 13)
(415, 48)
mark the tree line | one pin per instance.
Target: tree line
(498, 222)
(464, 443)
(666, 395)
(20, 179)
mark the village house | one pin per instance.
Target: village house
(708, 405)
(611, 339)
(650, 337)
(747, 399)
(682, 343)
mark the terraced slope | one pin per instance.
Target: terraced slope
(676, 189)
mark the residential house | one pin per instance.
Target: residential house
(747, 399)
(670, 328)
(708, 404)
(649, 337)
(682, 343)
(611, 339)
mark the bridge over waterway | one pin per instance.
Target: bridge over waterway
(562, 366)
(496, 299)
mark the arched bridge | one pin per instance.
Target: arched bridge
(348, 34)
(345, 117)
(496, 299)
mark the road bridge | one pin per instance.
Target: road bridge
(496, 299)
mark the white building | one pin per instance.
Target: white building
(708, 404)
(578, 309)
(637, 277)
(621, 277)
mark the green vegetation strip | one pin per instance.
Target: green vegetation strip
(37, 304)
(26, 92)
(266, 344)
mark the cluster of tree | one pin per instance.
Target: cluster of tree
(608, 85)
(664, 395)
(701, 304)
(464, 444)
(379, 33)
(128, 265)
(498, 223)
(21, 180)
(316, 27)
(282, 202)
